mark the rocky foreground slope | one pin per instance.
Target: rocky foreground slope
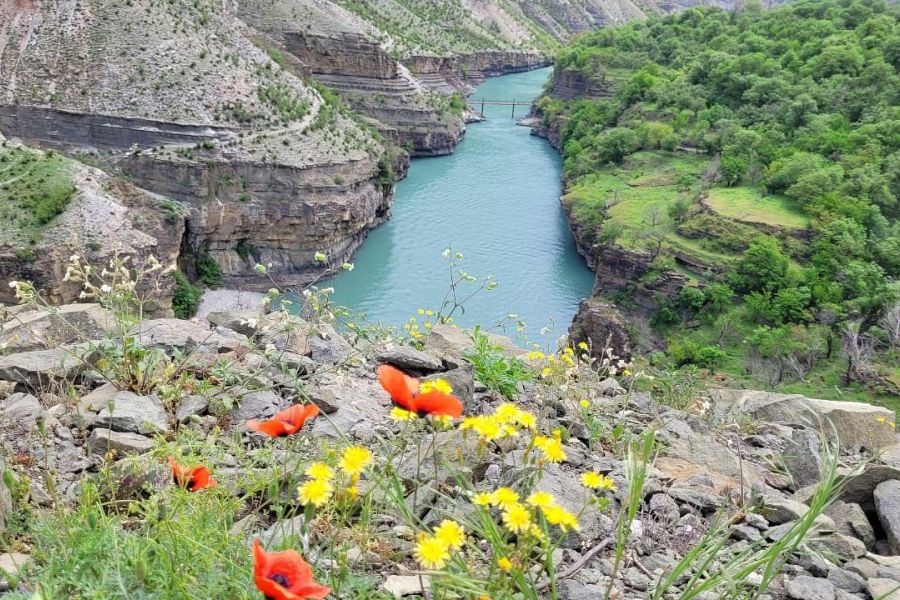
(740, 463)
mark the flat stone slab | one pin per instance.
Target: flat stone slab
(409, 359)
(169, 334)
(39, 367)
(405, 585)
(102, 440)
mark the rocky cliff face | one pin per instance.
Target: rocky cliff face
(456, 73)
(201, 115)
(342, 51)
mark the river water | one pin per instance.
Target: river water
(496, 200)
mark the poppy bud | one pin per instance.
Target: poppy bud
(42, 426)
(92, 520)
(9, 480)
(140, 570)
(274, 488)
(162, 512)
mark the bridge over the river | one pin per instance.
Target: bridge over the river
(478, 104)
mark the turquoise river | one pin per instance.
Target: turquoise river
(496, 200)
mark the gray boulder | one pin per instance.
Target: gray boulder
(190, 406)
(258, 405)
(855, 423)
(846, 580)
(451, 344)
(883, 589)
(129, 412)
(102, 440)
(809, 588)
(887, 505)
(245, 322)
(43, 329)
(22, 409)
(327, 346)
(172, 334)
(803, 458)
(409, 359)
(850, 519)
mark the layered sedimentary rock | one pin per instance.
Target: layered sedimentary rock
(177, 96)
(456, 73)
(342, 51)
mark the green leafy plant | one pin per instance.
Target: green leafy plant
(493, 368)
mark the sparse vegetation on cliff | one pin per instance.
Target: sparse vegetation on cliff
(35, 187)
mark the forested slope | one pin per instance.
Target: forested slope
(751, 160)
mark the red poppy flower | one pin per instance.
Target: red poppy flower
(287, 421)
(193, 479)
(285, 575)
(404, 391)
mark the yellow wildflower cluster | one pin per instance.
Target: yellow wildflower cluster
(597, 481)
(413, 329)
(319, 488)
(551, 447)
(506, 421)
(440, 385)
(886, 422)
(520, 518)
(433, 551)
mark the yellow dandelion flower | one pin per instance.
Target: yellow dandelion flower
(352, 491)
(559, 516)
(546, 372)
(517, 518)
(507, 413)
(320, 471)
(541, 499)
(585, 404)
(355, 460)
(451, 534)
(431, 552)
(483, 499)
(535, 355)
(505, 565)
(439, 385)
(583, 345)
(569, 351)
(551, 448)
(526, 420)
(315, 491)
(504, 497)
(398, 414)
